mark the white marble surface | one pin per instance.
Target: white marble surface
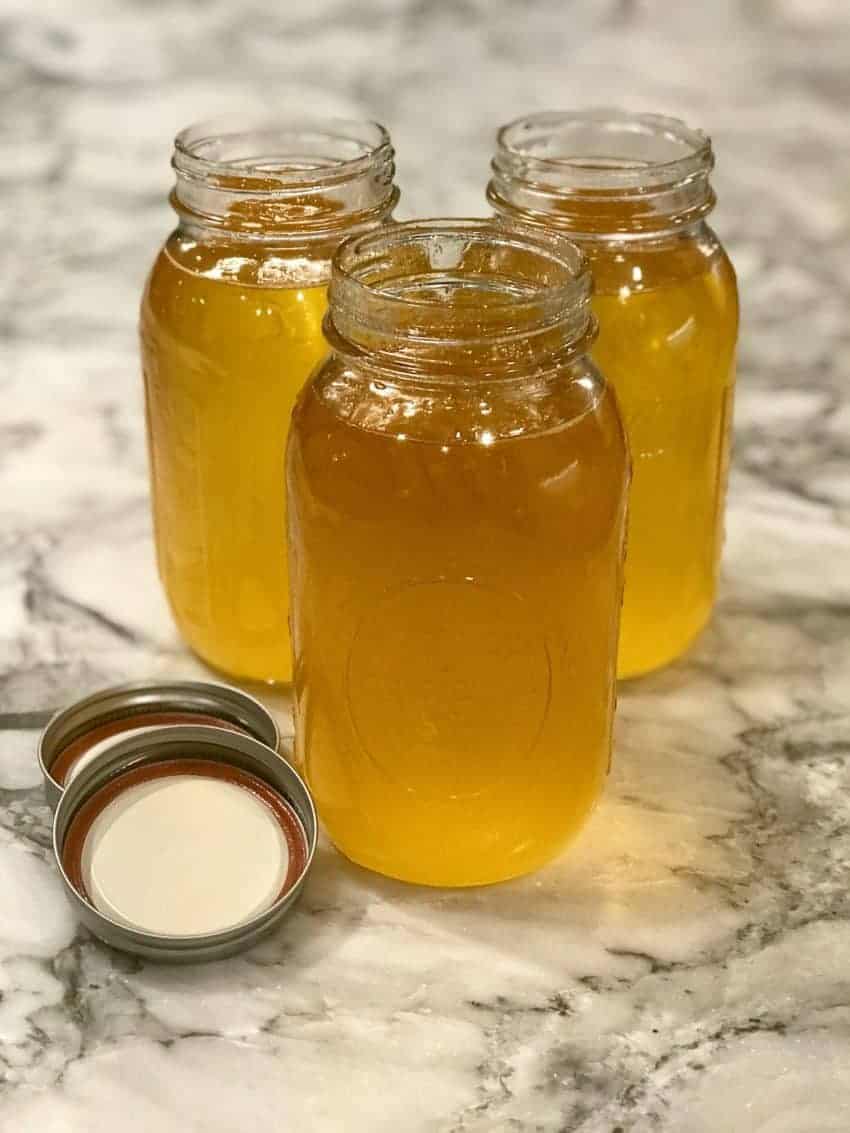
(685, 969)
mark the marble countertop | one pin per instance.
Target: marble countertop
(685, 968)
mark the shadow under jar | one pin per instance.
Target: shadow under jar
(231, 326)
(633, 191)
(457, 476)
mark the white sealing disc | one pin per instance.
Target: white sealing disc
(102, 745)
(184, 855)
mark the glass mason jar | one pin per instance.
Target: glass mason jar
(633, 191)
(457, 476)
(231, 325)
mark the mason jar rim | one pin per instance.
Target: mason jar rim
(604, 171)
(538, 286)
(356, 254)
(361, 145)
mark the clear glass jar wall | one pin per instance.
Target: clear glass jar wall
(231, 325)
(457, 477)
(633, 191)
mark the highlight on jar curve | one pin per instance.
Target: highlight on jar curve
(464, 459)
(633, 191)
(231, 325)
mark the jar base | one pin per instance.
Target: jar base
(239, 674)
(633, 666)
(458, 878)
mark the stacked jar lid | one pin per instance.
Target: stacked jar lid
(180, 831)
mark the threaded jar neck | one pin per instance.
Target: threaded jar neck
(602, 173)
(459, 299)
(297, 181)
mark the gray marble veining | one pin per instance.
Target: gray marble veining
(685, 968)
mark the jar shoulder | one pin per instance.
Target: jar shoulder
(224, 258)
(222, 312)
(449, 412)
(689, 259)
(420, 463)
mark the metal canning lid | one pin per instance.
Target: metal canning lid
(82, 730)
(184, 843)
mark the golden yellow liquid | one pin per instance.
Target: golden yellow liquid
(456, 567)
(668, 320)
(224, 355)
